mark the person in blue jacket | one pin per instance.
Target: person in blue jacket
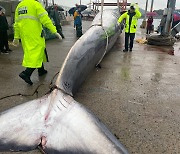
(78, 22)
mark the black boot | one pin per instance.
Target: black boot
(26, 78)
(4, 51)
(8, 49)
(125, 50)
(41, 73)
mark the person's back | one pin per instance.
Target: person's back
(29, 18)
(78, 22)
(77, 18)
(55, 15)
(57, 20)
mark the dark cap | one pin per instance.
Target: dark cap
(132, 7)
(1, 8)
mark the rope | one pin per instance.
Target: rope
(107, 39)
(51, 83)
(107, 43)
(51, 87)
(25, 95)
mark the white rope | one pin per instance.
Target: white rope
(107, 39)
(107, 43)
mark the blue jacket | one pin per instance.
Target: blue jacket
(77, 18)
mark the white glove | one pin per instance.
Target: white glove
(16, 42)
(118, 23)
(58, 36)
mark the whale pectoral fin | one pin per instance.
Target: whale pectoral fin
(77, 130)
(21, 127)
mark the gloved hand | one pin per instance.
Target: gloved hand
(118, 23)
(16, 42)
(58, 36)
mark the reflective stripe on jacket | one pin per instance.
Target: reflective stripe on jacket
(133, 26)
(29, 18)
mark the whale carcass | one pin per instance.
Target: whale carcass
(88, 51)
(56, 122)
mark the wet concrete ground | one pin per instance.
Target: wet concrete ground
(135, 94)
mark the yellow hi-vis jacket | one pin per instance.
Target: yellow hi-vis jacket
(133, 26)
(29, 18)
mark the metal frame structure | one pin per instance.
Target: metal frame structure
(123, 4)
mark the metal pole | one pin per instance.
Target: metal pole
(171, 7)
(80, 2)
(172, 4)
(90, 4)
(95, 6)
(102, 4)
(143, 25)
(98, 6)
(146, 9)
(152, 2)
(53, 2)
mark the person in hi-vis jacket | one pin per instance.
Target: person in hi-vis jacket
(30, 16)
(131, 17)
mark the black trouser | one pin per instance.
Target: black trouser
(78, 30)
(127, 36)
(148, 31)
(29, 71)
(4, 40)
(59, 30)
